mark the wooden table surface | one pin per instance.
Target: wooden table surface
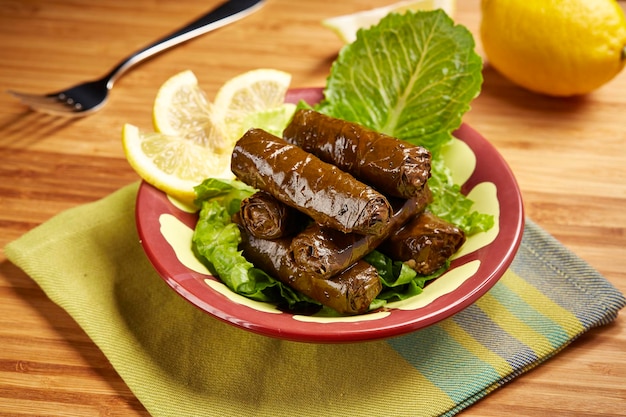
(569, 156)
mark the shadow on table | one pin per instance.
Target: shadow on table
(498, 87)
(29, 127)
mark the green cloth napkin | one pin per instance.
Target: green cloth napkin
(180, 361)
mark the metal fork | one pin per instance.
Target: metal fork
(88, 97)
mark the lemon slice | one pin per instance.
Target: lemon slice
(194, 138)
(346, 26)
(182, 109)
(172, 163)
(258, 90)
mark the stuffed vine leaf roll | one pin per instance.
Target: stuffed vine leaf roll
(349, 292)
(392, 166)
(425, 243)
(322, 251)
(267, 218)
(328, 195)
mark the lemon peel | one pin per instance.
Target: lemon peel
(555, 47)
(173, 164)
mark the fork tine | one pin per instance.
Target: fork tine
(27, 97)
(46, 103)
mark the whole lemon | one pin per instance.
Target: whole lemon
(555, 47)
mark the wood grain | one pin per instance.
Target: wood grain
(569, 156)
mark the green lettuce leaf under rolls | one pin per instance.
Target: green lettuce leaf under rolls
(215, 242)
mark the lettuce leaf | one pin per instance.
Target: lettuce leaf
(413, 77)
(228, 192)
(399, 280)
(216, 239)
(451, 205)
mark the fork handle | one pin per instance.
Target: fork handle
(226, 13)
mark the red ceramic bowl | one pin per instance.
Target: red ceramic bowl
(165, 230)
